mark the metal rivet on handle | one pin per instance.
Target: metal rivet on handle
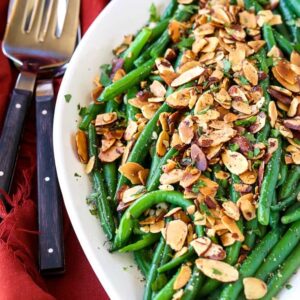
(47, 178)
(50, 250)
(44, 112)
(18, 105)
(1, 173)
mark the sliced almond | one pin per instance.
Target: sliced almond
(176, 233)
(157, 89)
(82, 146)
(172, 212)
(212, 44)
(254, 288)
(235, 162)
(248, 177)
(106, 118)
(217, 137)
(273, 114)
(133, 193)
(247, 207)
(181, 99)
(233, 228)
(241, 107)
(182, 278)
(113, 153)
(294, 107)
(204, 101)
(90, 165)
(171, 177)
(215, 252)
(198, 156)
(201, 245)
(250, 72)
(189, 177)
(157, 226)
(131, 129)
(217, 270)
(188, 76)
(130, 170)
(199, 44)
(149, 110)
(227, 239)
(186, 130)
(293, 124)
(231, 210)
(162, 143)
(143, 175)
(295, 58)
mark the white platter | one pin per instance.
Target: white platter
(117, 273)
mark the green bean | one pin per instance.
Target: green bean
(104, 209)
(154, 164)
(251, 264)
(251, 232)
(158, 30)
(145, 241)
(128, 81)
(153, 181)
(257, 6)
(291, 217)
(280, 252)
(110, 169)
(153, 269)
(170, 9)
(288, 268)
(283, 173)
(142, 261)
(286, 202)
(246, 122)
(93, 146)
(269, 36)
(274, 215)
(283, 43)
(131, 111)
(269, 184)
(92, 111)
(248, 4)
(291, 182)
(295, 6)
(139, 206)
(191, 291)
(135, 48)
(168, 291)
(177, 261)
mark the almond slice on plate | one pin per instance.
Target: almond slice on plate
(176, 233)
(201, 245)
(131, 171)
(218, 270)
(235, 162)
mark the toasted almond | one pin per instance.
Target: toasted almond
(157, 226)
(236, 57)
(149, 110)
(247, 207)
(181, 99)
(231, 210)
(296, 157)
(199, 44)
(235, 162)
(182, 278)
(131, 129)
(113, 153)
(176, 233)
(157, 89)
(250, 72)
(172, 212)
(162, 143)
(273, 114)
(106, 118)
(217, 270)
(248, 177)
(96, 92)
(227, 239)
(107, 144)
(233, 228)
(143, 175)
(295, 58)
(198, 156)
(90, 165)
(120, 73)
(293, 124)
(242, 107)
(188, 76)
(189, 177)
(204, 101)
(186, 130)
(201, 245)
(133, 193)
(166, 187)
(130, 170)
(295, 87)
(294, 107)
(82, 146)
(215, 252)
(256, 45)
(171, 177)
(217, 137)
(254, 288)
(212, 43)
(248, 19)
(259, 123)
(185, 1)
(176, 140)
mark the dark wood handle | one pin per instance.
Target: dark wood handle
(11, 135)
(51, 248)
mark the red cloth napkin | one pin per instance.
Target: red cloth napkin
(19, 276)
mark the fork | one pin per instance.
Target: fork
(31, 42)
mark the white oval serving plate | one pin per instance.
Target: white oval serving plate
(117, 272)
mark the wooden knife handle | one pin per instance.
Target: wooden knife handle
(51, 248)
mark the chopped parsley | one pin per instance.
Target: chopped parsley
(234, 147)
(77, 175)
(250, 137)
(288, 286)
(227, 67)
(204, 209)
(243, 80)
(256, 151)
(105, 75)
(196, 186)
(68, 97)
(275, 133)
(217, 272)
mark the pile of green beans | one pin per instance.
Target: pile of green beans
(270, 249)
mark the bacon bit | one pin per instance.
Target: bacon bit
(176, 233)
(254, 288)
(133, 193)
(188, 76)
(233, 228)
(198, 157)
(82, 146)
(217, 270)
(172, 177)
(106, 118)
(189, 177)
(231, 210)
(235, 162)
(182, 278)
(130, 170)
